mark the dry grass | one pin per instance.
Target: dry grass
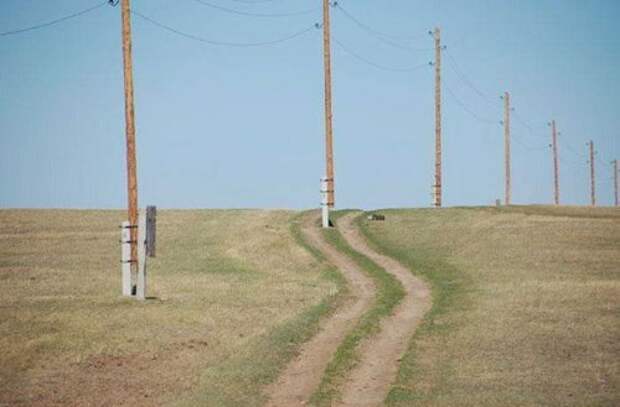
(527, 305)
(227, 285)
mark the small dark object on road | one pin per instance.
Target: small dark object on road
(376, 216)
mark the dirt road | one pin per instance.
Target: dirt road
(303, 375)
(370, 380)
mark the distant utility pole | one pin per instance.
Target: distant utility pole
(329, 151)
(130, 132)
(556, 169)
(616, 182)
(592, 174)
(507, 191)
(437, 187)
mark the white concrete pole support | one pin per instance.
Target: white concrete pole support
(126, 259)
(324, 203)
(141, 283)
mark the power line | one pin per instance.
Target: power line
(465, 79)
(527, 126)
(600, 161)
(53, 22)
(377, 34)
(526, 146)
(250, 14)
(374, 64)
(374, 31)
(467, 109)
(572, 150)
(222, 43)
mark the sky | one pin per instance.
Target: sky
(222, 126)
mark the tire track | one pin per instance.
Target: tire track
(303, 375)
(369, 382)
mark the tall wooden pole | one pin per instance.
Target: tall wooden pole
(616, 182)
(130, 132)
(592, 175)
(507, 192)
(556, 168)
(437, 186)
(329, 149)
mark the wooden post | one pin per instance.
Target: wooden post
(151, 230)
(437, 188)
(327, 66)
(507, 191)
(126, 259)
(592, 175)
(556, 169)
(141, 281)
(130, 129)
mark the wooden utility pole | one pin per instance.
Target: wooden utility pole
(592, 175)
(329, 149)
(616, 182)
(507, 191)
(130, 132)
(556, 168)
(437, 187)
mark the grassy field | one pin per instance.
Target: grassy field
(234, 295)
(526, 305)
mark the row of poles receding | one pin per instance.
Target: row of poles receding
(437, 187)
(328, 181)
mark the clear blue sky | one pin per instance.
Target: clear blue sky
(243, 127)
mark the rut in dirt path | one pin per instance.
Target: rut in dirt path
(369, 382)
(303, 375)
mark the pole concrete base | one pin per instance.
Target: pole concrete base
(126, 259)
(325, 216)
(324, 204)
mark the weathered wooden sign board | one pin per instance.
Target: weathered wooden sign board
(151, 229)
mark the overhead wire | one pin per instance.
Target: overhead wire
(53, 22)
(526, 146)
(220, 43)
(600, 161)
(251, 14)
(374, 31)
(374, 64)
(377, 34)
(467, 109)
(528, 126)
(465, 79)
(572, 150)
